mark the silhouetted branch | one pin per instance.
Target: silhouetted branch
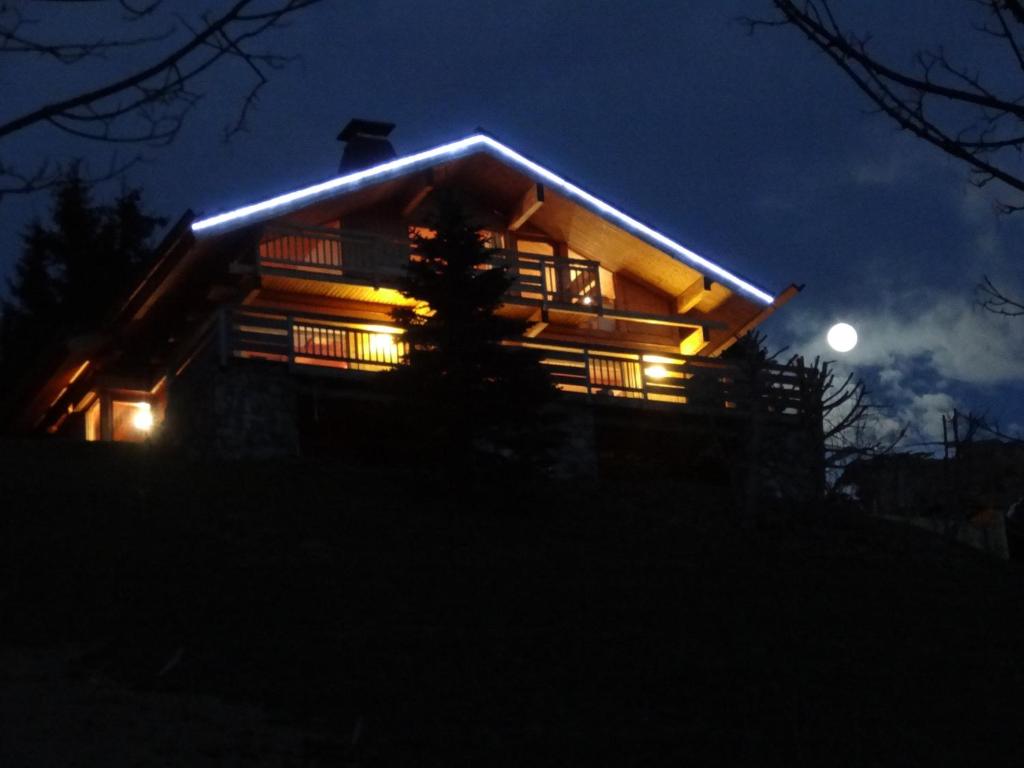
(150, 104)
(994, 300)
(14, 41)
(47, 175)
(948, 105)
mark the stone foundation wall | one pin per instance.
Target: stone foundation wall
(242, 409)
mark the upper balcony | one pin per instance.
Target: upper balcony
(367, 267)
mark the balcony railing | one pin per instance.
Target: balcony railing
(365, 257)
(343, 345)
(614, 375)
(334, 253)
(551, 280)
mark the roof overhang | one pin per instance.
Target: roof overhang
(280, 204)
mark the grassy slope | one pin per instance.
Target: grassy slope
(492, 624)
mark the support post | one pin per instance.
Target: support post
(222, 335)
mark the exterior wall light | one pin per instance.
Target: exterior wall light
(142, 419)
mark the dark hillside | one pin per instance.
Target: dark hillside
(498, 622)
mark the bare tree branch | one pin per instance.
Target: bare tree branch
(147, 105)
(48, 174)
(955, 108)
(997, 302)
(982, 124)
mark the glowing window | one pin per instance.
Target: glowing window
(537, 247)
(607, 285)
(381, 346)
(92, 421)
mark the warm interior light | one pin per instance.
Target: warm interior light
(656, 372)
(382, 342)
(142, 419)
(379, 329)
(587, 300)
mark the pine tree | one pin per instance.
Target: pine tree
(70, 271)
(470, 391)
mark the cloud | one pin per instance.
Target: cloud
(944, 334)
(918, 351)
(894, 167)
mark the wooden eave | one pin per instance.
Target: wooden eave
(496, 190)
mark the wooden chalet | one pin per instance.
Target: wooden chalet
(251, 320)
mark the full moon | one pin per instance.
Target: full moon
(842, 337)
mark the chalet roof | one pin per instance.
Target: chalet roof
(477, 143)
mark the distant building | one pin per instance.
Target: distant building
(971, 496)
(253, 326)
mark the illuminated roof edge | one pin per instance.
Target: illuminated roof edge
(462, 147)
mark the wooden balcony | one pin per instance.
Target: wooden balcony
(604, 374)
(333, 254)
(367, 267)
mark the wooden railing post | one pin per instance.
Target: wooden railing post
(544, 290)
(290, 320)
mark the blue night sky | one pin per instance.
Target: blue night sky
(751, 150)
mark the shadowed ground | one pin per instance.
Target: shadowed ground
(496, 622)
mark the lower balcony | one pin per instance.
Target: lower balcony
(613, 375)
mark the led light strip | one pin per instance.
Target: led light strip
(461, 147)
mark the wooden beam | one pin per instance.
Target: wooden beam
(693, 294)
(425, 186)
(755, 320)
(538, 322)
(693, 343)
(528, 205)
(674, 321)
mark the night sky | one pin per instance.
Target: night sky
(751, 150)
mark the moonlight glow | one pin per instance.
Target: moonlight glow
(842, 337)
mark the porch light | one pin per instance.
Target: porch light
(587, 300)
(142, 419)
(656, 372)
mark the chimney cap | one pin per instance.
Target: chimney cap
(368, 128)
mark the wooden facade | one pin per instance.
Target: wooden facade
(305, 288)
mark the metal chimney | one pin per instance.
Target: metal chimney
(366, 144)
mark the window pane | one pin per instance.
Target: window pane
(92, 421)
(538, 247)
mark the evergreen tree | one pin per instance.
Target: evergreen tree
(71, 271)
(469, 390)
